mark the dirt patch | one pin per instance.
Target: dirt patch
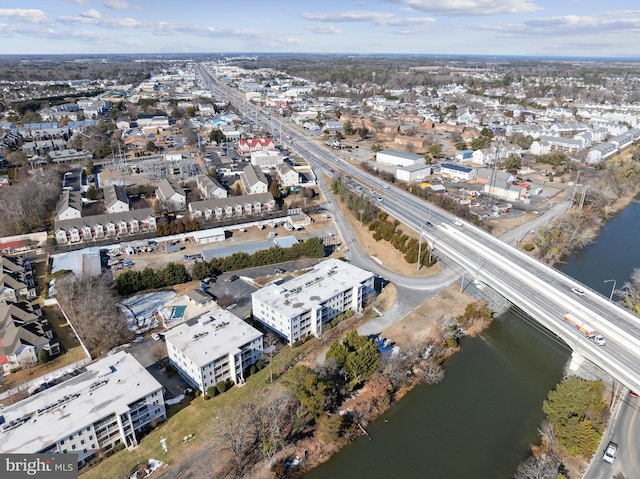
(419, 324)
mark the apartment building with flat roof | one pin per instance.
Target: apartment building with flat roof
(302, 305)
(112, 401)
(213, 347)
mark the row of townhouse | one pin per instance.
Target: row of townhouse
(219, 209)
(105, 226)
(24, 332)
(246, 147)
(601, 152)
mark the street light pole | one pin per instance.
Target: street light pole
(613, 288)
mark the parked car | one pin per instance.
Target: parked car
(233, 277)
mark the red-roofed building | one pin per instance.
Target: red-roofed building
(246, 147)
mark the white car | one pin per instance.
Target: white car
(577, 291)
(610, 452)
(457, 222)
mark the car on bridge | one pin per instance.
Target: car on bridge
(577, 291)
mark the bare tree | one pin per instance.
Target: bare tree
(92, 308)
(274, 421)
(544, 466)
(430, 372)
(26, 205)
(234, 431)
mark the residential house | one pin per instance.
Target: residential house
(210, 188)
(116, 199)
(171, 196)
(69, 205)
(24, 332)
(254, 180)
(16, 278)
(287, 175)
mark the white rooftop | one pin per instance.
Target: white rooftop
(318, 285)
(105, 387)
(211, 336)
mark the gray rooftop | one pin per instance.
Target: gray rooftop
(211, 336)
(103, 388)
(323, 282)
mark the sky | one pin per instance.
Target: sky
(583, 28)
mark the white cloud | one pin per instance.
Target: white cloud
(30, 15)
(93, 13)
(377, 18)
(116, 4)
(326, 30)
(470, 7)
(79, 2)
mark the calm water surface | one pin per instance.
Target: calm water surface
(479, 422)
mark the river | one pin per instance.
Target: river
(480, 421)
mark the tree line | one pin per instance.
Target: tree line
(380, 225)
(310, 248)
(131, 282)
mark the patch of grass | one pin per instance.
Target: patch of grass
(197, 419)
(61, 328)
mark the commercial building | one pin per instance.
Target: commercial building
(302, 305)
(110, 402)
(213, 347)
(398, 158)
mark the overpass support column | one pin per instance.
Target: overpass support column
(577, 360)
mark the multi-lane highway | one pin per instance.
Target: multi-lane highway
(543, 292)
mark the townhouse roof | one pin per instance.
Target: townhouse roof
(168, 189)
(215, 203)
(115, 193)
(254, 175)
(69, 199)
(103, 219)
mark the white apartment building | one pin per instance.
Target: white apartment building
(302, 305)
(111, 402)
(213, 347)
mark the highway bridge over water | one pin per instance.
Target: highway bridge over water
(541, 291)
